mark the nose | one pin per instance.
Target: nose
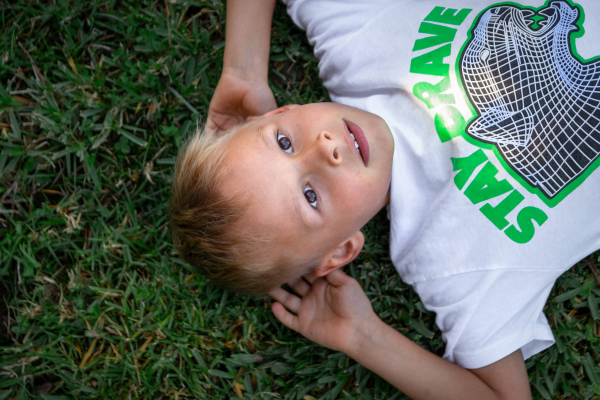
(327, 148)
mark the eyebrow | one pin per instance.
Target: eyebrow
(299, 213)
(262, 132)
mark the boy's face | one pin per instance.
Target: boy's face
(311, 190)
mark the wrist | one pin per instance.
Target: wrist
(367, 337)
(254, 74)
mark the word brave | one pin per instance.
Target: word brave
(449, 122)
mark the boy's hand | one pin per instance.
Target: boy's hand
(335, 312)
(332, 311)
(243, 90)
(237, 98)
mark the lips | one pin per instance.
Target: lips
(360, 138)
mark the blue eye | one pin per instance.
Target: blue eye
(311, 196)
(284, 143)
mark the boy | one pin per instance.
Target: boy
(489, 188)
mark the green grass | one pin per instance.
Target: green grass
(96, 98)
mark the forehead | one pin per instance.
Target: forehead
(255, 173)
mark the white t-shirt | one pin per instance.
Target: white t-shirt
(496, 121)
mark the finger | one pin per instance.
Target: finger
(218, 122)
(285, 317)
(289, 107)
(211, 126)
(290, 301)
(337, 277)
(300, 286)
(311, 277)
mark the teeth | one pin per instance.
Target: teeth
(355, 142)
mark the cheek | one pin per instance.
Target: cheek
(364, 196)
(351, 198)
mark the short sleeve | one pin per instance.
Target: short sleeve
(328, 23)
(486, 315)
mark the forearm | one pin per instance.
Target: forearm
(247, 38)
(413, 370)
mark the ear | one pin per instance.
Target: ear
(342, 254)
(273, 112)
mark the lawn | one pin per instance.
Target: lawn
(96, 97)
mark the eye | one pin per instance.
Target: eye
(311, 196)
(484, 54)
(285, 143)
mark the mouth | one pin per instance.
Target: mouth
(359, 141)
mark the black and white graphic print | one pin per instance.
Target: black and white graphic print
(535, 100)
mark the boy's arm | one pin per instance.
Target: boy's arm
(508, 377)
(335, 312)
(247, 40)
(423, 375)
(243, 89)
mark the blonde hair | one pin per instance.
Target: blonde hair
(202, 220)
